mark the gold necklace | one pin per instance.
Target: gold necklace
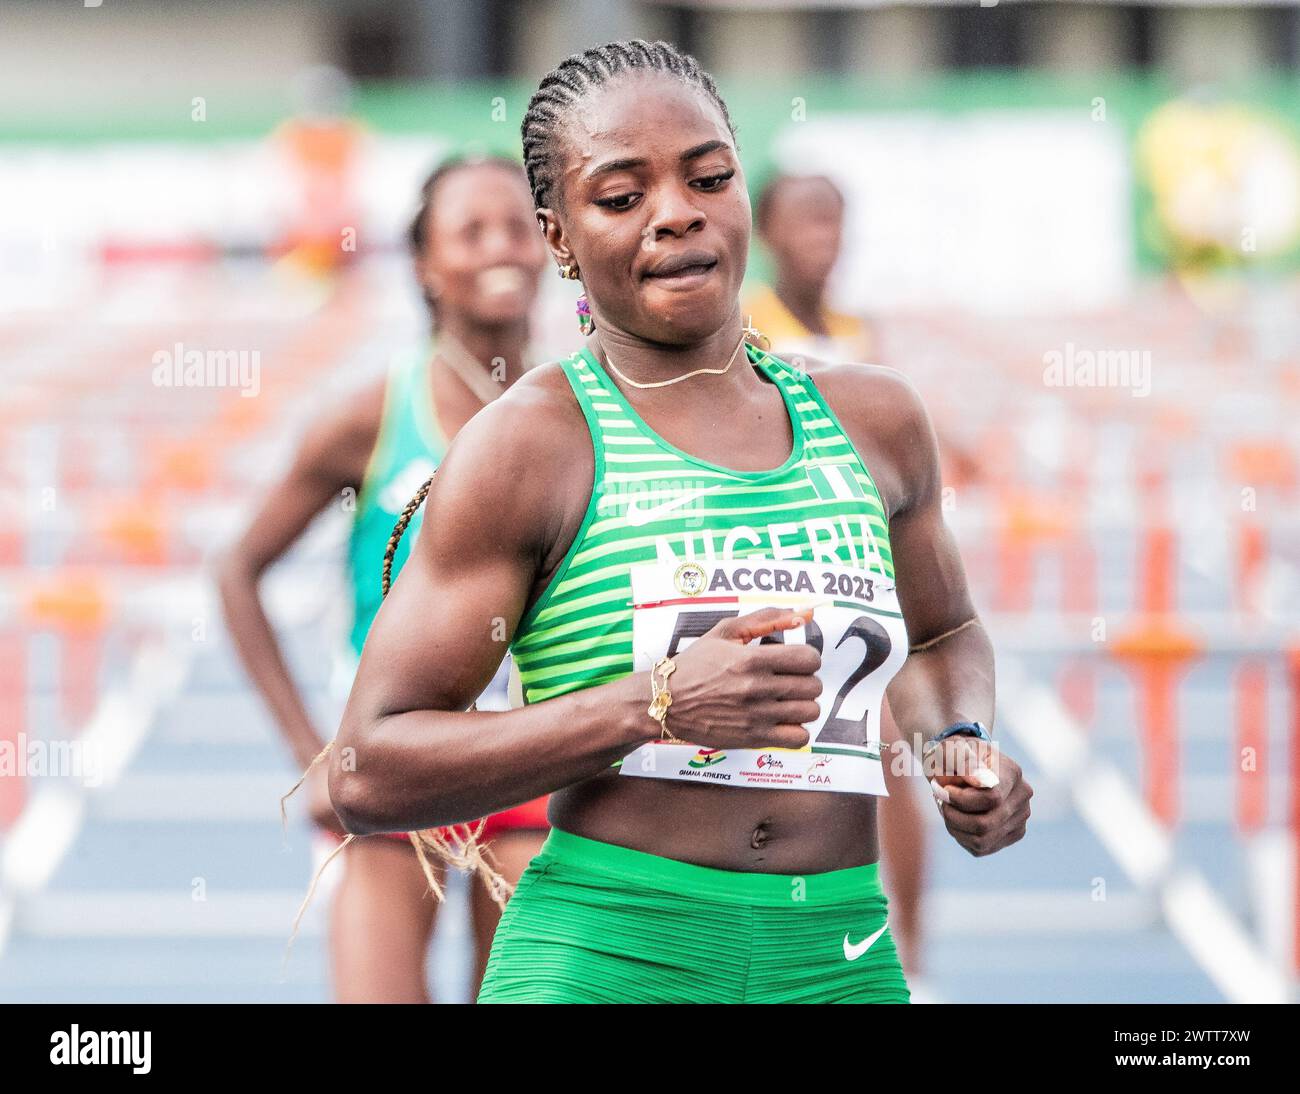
(469, 368)
(676, 379)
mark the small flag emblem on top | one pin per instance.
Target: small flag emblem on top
(835, 482)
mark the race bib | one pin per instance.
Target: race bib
(857, 628)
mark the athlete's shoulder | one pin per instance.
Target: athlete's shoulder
(534, 408)
(512, 475)
(338, 442)
(882, 412)
(851, 388)
(544, 384)
(533, 432)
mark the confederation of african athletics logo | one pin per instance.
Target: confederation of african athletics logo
(688, 579)
(768, 760)
(706, 757)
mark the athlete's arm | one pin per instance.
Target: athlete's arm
(951, 678)
(499, 516)
(332, 456)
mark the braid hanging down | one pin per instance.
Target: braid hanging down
(399, 530)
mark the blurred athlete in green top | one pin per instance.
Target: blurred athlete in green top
(478, 257)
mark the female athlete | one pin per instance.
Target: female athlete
(708, 565)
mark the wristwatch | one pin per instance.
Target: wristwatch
(957, 729)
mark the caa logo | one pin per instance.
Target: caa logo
(768, 760)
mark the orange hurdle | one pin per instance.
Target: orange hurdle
(74, 605)
(137, 529)
(1157, 649)
(1251, 555)
(1250, 694)
(1027, 520)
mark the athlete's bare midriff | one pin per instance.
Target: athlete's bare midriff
(768, 831)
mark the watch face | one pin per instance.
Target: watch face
(966, 729)
(969, 729)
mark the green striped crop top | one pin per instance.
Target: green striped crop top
(651, 502)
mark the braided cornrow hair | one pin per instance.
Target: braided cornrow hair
(575, 77)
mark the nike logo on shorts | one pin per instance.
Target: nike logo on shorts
(853, 951)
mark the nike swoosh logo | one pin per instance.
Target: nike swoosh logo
(637, 516)
(853, 952)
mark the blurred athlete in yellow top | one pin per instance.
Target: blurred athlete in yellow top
(800, 220)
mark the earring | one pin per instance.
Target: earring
(752, 332)
(586, 324)
(569, 271)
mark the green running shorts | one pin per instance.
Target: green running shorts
(592, 922)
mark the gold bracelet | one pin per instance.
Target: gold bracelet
(661, 699)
